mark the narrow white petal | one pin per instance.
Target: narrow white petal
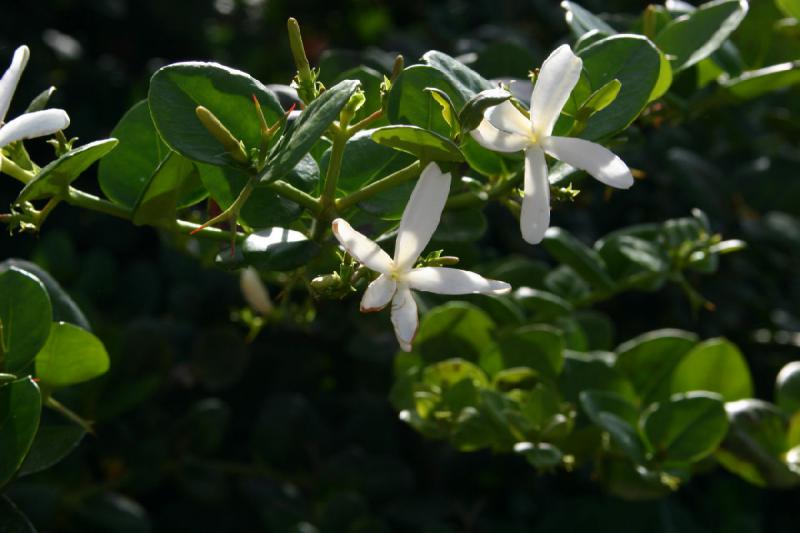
(378, 294)
(421, 216)
(498, 141)
(364, 250)
(454, 281)
(595, 159)
(505, 117)
(254, 291)
(535, 216)
(36, 124)
(404, 317)
(557, 77)
(9, 81)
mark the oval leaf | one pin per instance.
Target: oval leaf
(25, 318)
(20, 408)
(278, 249)
(424, 144)
(72, 355)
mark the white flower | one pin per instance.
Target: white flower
(254, 291)
(505, 129)
(29, 125)
(398, 275)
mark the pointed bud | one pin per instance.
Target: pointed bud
(351, 107)
(221, 134)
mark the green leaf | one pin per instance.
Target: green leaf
(622, 434)
(585, 261)
(72, 355)
(592, 371)
(20, 408)
(54, 179)
(599, 100)
(715, 365)
(64, 307)
(365, 161)
(472, 113)
(452, 371)
(278, 249)
(124, 173)
(755, 443)
(582, 21)
(632, 60)
(754, 83)
(460, 225)
(540, 455)
(465, 80)
(12, 520)
(787, 388)
(454, 329)
(791, 8)
(596, 402)
(650, 359)
(685, 428)
(175, 92)
(25, 317)
(421, 143)
(697, 34)
(630, 259)
(52, 444)
(175, 178)
(539, 347)
(543, 303)
(301, 136)
(41, 100)
(664, 81)
(409, 103)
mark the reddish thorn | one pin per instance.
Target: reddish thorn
(201, 228)
(35, 380)
(255, 100)
(292, 108)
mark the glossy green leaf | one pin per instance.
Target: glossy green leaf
(664, 80)
(636, 262)
(540, 455)
(125, 172)
(174, 179)
(456, 329)
(715, 365)
(582, 21)
(791, 8)
(632, 60)
(585, 261)
(755, 443)
(649, 361)
(301, 136)
(54, 179)
(25, 317)
(599, 99)
(421, 143)
(365, 161)
(787, 387)
(538, 347)
(460, 225)
(697, 34)
(465, 80)
(175, 92)
(52, 444)
(542, 302)
(687, 427)
(64, 307)
(622, 434)
(72, 355)
(12, 520)
(596, 402)
(20, 408)
(452, 371)
(278, 249)
(592, 371)
(409, 103)
(472, 113)
(755, 83)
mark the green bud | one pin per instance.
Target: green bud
(232, 145)
(351, 107)
(305, 81)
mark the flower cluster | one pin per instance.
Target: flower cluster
(504, 128)
(28, 125)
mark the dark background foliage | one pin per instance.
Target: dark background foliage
(199, 431)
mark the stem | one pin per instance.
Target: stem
(46, 210)
(404, 174)
(54, 404)
(364, 122)
(328, 198)
(290, 192)
(14, 170)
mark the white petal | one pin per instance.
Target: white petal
(404, 317)
(364, 250)
(421, 216)
(36, 124)
(254, 291)
(378, 294)
(9, 81)
(595, 159)
(557, 77)
(454, 281)
(498, 141)
(535, 216)
(505, 117)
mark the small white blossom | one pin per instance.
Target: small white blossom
(254, 291)
(505, 129)
(398, 275)
(29, 125)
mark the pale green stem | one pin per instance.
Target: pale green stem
(404, 174)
